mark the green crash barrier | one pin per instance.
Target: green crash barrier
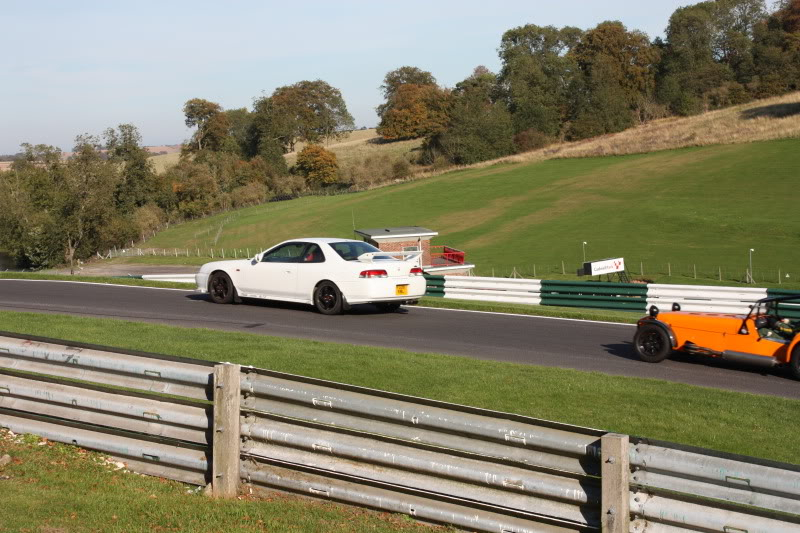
(786, 310)
(596, 295)
(434, 286)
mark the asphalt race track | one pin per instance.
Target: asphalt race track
(582, 345)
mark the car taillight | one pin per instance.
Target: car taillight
(416, 271)
(373, 274)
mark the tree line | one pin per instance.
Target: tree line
(558, 84)
(554, 84)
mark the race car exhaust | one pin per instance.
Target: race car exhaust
(749, 358)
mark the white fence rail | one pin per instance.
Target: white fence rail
(176, 278)
(523, 291)
(703, 298)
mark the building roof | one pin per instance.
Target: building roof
(396, 232)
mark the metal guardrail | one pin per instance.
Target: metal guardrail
(473, 468)
(152, 433)
(602, 295)
(512, 466)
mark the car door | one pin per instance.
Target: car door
(275, 276)
(312, 268)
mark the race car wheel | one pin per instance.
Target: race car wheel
(794, 362)
(221, 289)
(651, 343)
(328, 299)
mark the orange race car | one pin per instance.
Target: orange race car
(764, 337)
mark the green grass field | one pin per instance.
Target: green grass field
(700, 208)
(53, 488)
(723, 420)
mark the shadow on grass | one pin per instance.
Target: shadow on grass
(772, 111)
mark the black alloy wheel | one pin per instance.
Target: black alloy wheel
(221, 289)
(328, 299)
(794, 362)
(652, 343)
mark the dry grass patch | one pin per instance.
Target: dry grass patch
(761, 120)
(164, 161)
(359, 145)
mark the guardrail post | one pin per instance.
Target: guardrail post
(615, 512)
(225, 461)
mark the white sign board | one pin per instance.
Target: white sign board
(607, 266)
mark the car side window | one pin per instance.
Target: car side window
(313, 254)
(291, 252)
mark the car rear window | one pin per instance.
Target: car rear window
(349, 251)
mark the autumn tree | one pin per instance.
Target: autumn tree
(397, 78)
(318, 165)
(415, 111)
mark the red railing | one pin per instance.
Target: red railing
(447, 256)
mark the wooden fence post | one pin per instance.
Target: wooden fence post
(615, 510)
(225, 461)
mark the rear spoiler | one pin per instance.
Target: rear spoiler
(370, 257)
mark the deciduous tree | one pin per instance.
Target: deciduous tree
(538, 75)
(397, 78)
(310, 111)
(416, 111)
(211, 123)
(138, 183)
(318, 165)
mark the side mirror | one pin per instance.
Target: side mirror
(257, 258)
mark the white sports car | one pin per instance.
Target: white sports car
(330, 274)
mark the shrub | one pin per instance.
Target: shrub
(148, 219)
(251, 194)
(531, 139)
(318, 165)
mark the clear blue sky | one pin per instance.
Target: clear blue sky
(80, 67)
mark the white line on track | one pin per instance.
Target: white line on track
(412, 307)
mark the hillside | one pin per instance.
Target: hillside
(703, 206)
(352, 149)
(760, 120)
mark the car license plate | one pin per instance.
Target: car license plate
(401, 290)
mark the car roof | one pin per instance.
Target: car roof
(322, 240)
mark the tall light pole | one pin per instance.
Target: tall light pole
(751, 265)
(584, 251)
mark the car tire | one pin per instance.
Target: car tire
(328, 298)
(794, 362)
(388, 307)
(652, 343)
(221, 289)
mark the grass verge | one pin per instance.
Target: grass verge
(51, 487)
(723, 420)
(108, 280)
